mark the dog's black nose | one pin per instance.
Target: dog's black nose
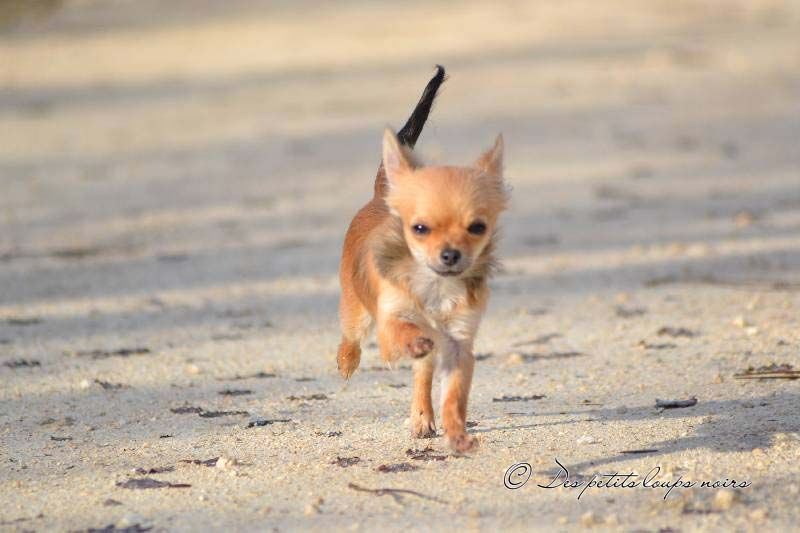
(450, 256)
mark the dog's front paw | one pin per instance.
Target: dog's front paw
(420, 347)
(463, 443)
(422, 426)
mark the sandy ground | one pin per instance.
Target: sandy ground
(175, 189)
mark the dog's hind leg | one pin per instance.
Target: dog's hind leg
(355, 324)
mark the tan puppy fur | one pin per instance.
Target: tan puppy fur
(415, 262)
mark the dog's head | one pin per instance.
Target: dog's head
(449, 214)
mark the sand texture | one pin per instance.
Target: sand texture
(175, 182)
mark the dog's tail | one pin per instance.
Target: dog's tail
(410, 132)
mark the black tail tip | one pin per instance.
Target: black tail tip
(410, 132)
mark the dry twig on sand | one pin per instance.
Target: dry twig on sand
(396, 494)
(772, 371)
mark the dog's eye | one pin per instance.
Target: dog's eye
(421, 229)
(477, 228)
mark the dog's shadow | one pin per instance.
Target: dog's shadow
(733, 425)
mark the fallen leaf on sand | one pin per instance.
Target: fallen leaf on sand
(344, 462)
(427, 454)
(676, 332)
(397, 467)
(507, 398)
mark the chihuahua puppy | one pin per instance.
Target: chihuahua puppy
(415, 262)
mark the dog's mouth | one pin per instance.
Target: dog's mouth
(447, 273)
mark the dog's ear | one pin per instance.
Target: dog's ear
(397, 159)
(491, 161)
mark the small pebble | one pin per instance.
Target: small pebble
(314, 507)
(588, 519)
(723, 500)
(741, 322)
(758, 515)
(514, 359)
(226, 463)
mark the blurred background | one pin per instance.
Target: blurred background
(193, 145)
(177, 177)
(199, 146)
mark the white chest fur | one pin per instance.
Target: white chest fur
(438, 295)
(444, 305)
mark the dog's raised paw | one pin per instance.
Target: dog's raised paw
(420, 347)
(347, 359)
